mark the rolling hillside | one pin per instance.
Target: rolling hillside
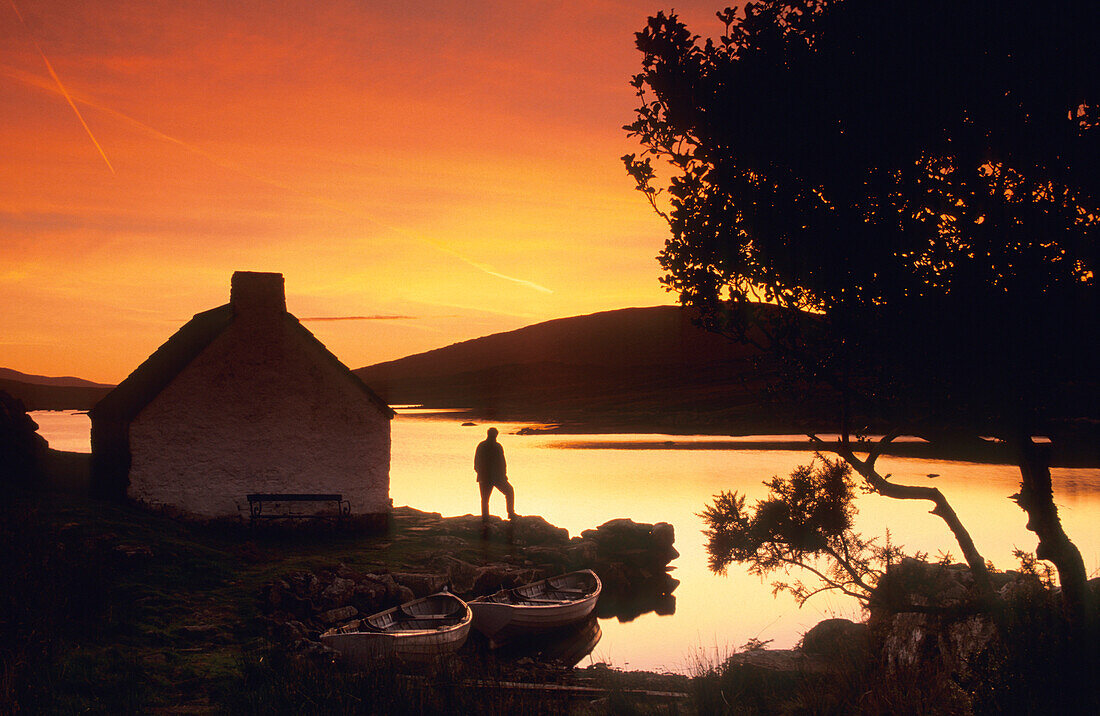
(39, 392)
(629, 368)
(632, 366)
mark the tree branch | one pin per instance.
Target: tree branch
(941, 509)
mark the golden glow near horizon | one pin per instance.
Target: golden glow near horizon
(452, 170)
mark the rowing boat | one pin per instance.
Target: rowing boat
(537, 607)
(420, 630)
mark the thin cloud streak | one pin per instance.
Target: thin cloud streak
(360, 318)
(64, 92)
(338, 206)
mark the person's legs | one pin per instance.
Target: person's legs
(509, 497)
(486, 490)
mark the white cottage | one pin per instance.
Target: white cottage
(242, 399)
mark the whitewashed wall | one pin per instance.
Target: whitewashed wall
(260, 410)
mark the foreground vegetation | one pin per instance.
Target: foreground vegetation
(110, 609)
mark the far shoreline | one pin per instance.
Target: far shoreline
(737, 437)
(726, 436)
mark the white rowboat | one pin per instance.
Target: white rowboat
(420, 630)
(537, 607)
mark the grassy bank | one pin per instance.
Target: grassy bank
(111, 609)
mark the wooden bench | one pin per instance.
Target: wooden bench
(257, 500)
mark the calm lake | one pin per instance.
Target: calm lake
(580, 482)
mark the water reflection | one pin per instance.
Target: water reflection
(565, 647)
(579, 489)
(628, 606)
(67, 430)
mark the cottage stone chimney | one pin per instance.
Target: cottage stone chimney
(255, 295)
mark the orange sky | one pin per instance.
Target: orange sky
(454, 165)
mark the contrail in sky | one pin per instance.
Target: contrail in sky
(61, 88)
(358, 318)
(34, 81)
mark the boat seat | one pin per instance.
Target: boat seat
(567, 596)
(428, 617)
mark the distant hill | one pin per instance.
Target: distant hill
(63, 382)
(634, 366)
(39, 392)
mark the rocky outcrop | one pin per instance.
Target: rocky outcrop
(841, 639)
(630, 558)
(923, 614)
(22, 448)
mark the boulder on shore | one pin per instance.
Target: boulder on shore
(630, 558)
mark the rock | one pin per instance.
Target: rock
(292, 631)
(914, 640)
(469, 523)
(339, 593)
(23, 449)
(913, 582)
(382, 583)
(533, 529)
(1025, 588)
(305, 585)
(345, 572)
(958, 635)
(581, 553)
(780, 661)
(554, 559)
(272, 596)
(279, 597)
(369, 598)
(494, 577)
(664, 535)
(421, 584)
(335, 616)
(626, 541)
(836, 638)
(461, 575)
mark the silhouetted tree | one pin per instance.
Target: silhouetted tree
(805, 522)
(917, 184)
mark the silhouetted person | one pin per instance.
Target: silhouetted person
(492, 472)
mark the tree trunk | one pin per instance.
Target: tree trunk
(1036, 498)
(942, 509)
(945, 512)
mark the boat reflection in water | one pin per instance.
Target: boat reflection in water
(564, 647)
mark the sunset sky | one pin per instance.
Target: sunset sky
(436, 171)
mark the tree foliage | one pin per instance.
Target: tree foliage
(922, 174)
(916, 183)
(805, 522)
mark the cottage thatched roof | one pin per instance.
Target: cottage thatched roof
(152, 376)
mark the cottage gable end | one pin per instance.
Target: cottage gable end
(260, 406)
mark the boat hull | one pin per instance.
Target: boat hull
(511, 613)
(410, 632)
